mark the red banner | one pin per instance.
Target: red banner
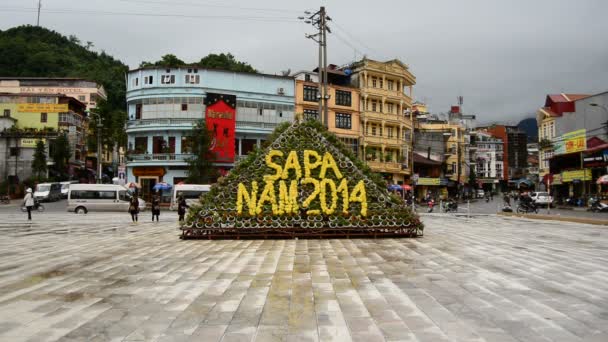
(220, 116)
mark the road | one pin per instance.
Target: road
(99, 277)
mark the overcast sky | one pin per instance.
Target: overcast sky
(502, 56)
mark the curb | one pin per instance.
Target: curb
(558, 218)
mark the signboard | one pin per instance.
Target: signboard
(598, 159)
(42, 108)
(580, 175)
(30, 142)
(428, 181)
(149, 171)
(51, 90)
(122, 172)
(220, 116)
(557, 179)
(575, 141)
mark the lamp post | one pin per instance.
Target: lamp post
(99, 148)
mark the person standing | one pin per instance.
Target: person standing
(28, 202)
(155, 207)
(134, 208)
(181, 208)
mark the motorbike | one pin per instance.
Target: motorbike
(596, 206)
(450, 206)
(37, 206)
(525, 207)
(431, 204)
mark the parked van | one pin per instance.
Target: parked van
(47, 192)
(191, 192)
(83, 198)
(65, 186)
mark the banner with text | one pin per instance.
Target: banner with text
(220, 116)
(42, 108)
(575, 141)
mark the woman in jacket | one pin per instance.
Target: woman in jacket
(28, 202)
(134, 208)
(181, 208)
(155, 207)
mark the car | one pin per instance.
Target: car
(83, 198)
(541, 198)
(480, 193)
(47, 192)
(191, 192)
(65, 188)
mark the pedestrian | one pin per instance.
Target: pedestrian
(181, 207)
(134, 208)
(507, 199)
(28, 202)
(155, 207)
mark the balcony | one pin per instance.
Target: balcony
(387, 117)
(148, 124)
(158, 158)
(394, 94)
(394, 167)
(377, 140)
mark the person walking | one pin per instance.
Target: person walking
(181, 208)
(28, 202)
(134, 208)
(155, 207)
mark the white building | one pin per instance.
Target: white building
(489, 159)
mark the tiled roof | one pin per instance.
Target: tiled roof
(566, 97)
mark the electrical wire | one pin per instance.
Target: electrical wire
(216, 5)
(352, 37)
(143, 14)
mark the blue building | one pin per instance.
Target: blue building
(165, 103)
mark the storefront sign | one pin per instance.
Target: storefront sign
(220, 116)
(557, 179)
(158, 171)
(581, 175)
(51, 90)
(31, 143)
(42, 108)
(428, 181)
(575, 141)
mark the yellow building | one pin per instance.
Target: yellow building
(386, 116)
(343, 105)
(455, 143)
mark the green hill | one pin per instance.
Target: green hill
(31, 51)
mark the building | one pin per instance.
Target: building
(574, 149)
(28, 118)
(489, 161)
(164, 104)
(343, 104)
(87, 92)
(515, 151)
(386, 116)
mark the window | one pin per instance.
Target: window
(311, 114)
(381, 108)
(307, 78)
(184, 107)
(7, 113)
(373, 129)
(43, 117)
(141, 145)
(14, 151)
(390, 84)
(389, 132)
(82, 98)
(381, 83)
(310, 93)
(138, 111)
(135, 82)
(374, 82)
(453, 167)
(343, 98)
(389, 107)
(124, 196)
(193, 79)
(148, 80)
(106, 194)
(167, 79)
(343, 120)
(374, 106)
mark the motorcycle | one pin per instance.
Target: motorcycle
(450, 206)
(596, 206)
(524, 207)
(431, 203)
(37, 206)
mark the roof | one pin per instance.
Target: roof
(565, 97)
(423, 160)
(548, 111)
(160, 67)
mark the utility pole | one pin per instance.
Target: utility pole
(319, 20)
(39, 6)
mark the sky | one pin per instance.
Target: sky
(503, 56)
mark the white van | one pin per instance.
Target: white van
(191, 192)
(83, 198)
(47, 192)
(65, 187)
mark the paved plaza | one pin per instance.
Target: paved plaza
(97, 277)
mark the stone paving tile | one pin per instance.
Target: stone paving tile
(101, 278)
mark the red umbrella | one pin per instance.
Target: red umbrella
(406, 187)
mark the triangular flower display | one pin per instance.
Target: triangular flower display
(304, 183)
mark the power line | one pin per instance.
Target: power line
(192, 4)
(353, 37)
(142, 14)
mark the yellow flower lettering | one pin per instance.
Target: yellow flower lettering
(329, 162)
(323, 197)
(268, 196)
(273, 165)
(292, 163)
(288, 200)
(359, 195)
(249, 198)
(309, 166)
(314, 193)
(343, 188)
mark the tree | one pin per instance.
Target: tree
(61, 156)
(472, 177)
(39, 162)
(225, 62)
(200, 166)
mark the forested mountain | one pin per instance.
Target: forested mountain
(530, 127)
(224, 61)
(32, 51)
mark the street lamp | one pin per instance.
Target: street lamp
(99, 148)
